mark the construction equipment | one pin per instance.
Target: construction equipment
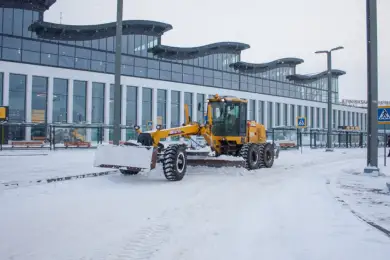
(233, 141)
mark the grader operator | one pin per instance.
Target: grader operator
(233, 140)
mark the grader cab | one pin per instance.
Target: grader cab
(233, 140)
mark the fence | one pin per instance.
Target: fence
(62, 136)
(57, 136)
(291, 137)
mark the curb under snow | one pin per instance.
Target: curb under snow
(17, 184)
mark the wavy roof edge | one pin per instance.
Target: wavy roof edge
(300, 77)
(38, 5)
(260, 67)
(56, 31)
(172, 52)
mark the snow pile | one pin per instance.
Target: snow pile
(366, 195)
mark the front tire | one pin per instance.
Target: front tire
(175, 162)
(250, 153)
(267, 155)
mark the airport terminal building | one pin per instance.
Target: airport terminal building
(58, 73)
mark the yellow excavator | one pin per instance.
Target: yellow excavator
(234, 141)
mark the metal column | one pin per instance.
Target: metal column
(117, 87)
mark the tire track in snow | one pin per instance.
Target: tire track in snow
(147, 241)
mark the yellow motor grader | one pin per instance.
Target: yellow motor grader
(234, 141)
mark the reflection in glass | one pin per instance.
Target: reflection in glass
(188, 101)
(201, 102)
(161, 107)
(79, 101)
(1, 88)
(147, 106)
(175, 108)
(97, 102)
(39, 106)
(17, 105)
(60, 100)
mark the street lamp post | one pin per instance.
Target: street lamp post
(329, 58)
(117, 86)
(372, 87)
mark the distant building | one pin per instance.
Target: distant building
(64, 73)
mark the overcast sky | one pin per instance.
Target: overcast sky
(273, 28)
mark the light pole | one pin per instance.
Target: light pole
(329, 58)
(117, 86)
(372, 87)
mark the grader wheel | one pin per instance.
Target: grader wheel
(175, 162)
(251, 155)
(266, 155)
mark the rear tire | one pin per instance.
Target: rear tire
(267, 155)
(175, 162)
(129, 172)
(250, 153)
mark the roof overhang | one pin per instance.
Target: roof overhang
(63, 32)
(184, 53)
(262, 67)
(36, 5)
(314, 77)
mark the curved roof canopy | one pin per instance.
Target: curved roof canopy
(261, 67)
(37, 5)
(314, 77)
(179, 53)
(63, 32)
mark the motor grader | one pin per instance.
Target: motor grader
(233, 141)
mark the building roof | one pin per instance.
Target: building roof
(261, 67)
(314, 77)
(183, 53)
(64, 32)
(38, 5)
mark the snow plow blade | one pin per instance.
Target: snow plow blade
(127, 156)
(216, 162)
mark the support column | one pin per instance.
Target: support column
(139, 107)
(89, 110)
(194, 107)
(6, 89)
(70, 101)
(28, 106)
(123, 112)
(50, 90)
(289, 123)
(106, 136)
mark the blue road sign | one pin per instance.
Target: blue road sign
(384, 115)
(301, 121)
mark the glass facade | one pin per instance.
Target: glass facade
(261, 112)
(131, 110)
(200, 98)
(147, 107)
(270, 115)
(39, 106)
(1, 88)
(292, 115)
(285, 115)
(252, 107)
(162, 107)
(17, 105)
(79, 101)
(19, 44)
(175, 108)
(318, 122)
(277, 112)
(97, 103)
(60, 100)
(188, 101)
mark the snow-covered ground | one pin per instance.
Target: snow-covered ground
(299, 209)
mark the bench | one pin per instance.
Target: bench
(27, 144)
(39, 138)
(77, 144)
(285, 145)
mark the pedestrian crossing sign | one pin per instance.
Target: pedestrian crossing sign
(301, 122)
(384, 115)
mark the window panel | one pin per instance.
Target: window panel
(1, 85)
(30, 56)
(79, 101)
(60, 100)
(147, 105)
(11, 54)
(49, 59)
(8, 16)
(131, 106)
(161, 107)
(27, 21)
(67, 50)
(17, 97)
(175, 108)
(18, 22)
(67, 62)
(98, 102)
(39, 101)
